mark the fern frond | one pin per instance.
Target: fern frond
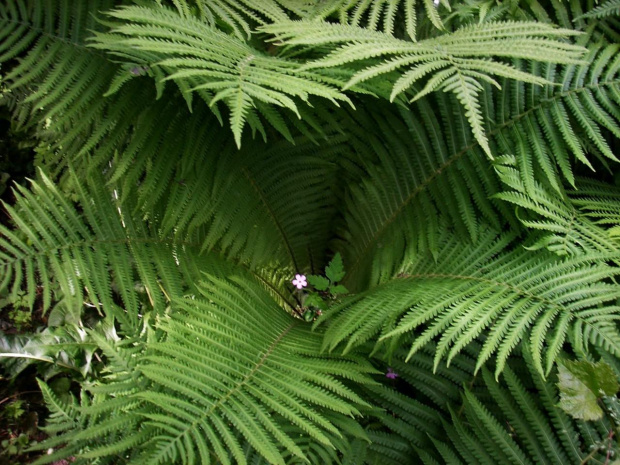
(387, 16)
(409, 409)
(47, 40)
(457, 60)
(423, 170)
(584, 117)
(241, 17)
(434, 172)
(519, 422)
(229, 368)
(84, 252)
(214, 65)
(599, 201)
(267, 206)
(468, 291)
(63, 413)
(58, 84)
(570, 230)
(609, 8)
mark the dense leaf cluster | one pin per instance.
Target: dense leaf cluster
(451, 167)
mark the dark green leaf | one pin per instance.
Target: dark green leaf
(581, 384)
(314, 300)
(338, 289)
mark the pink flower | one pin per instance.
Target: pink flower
(300, 281)
(391, 374)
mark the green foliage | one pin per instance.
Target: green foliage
(334, 272)
(512, 424)
(574, 222)
(523, 295)
(441, 149)
(581, 384)
(608, 8)
(457, 62)
(205, 389)
(211, 63)
(15, 446)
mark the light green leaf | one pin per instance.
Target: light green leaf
(598, 377)
(335, 270)
(581, 384)
(320, 283)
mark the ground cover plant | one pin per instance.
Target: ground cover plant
(324, 232)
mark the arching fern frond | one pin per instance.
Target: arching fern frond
(422, 170)
(241, 17)
(385, 15)
(409, 408)
(58, 83)
(229, 368)
(569, 229)
(609, 8)
(482, 289)
(211, 63)
(84, 252)
(97, 252)
(431, 169)
(313, 452)
(389, 16)
(267, 206)
(517, 421)
(28, 24)
(580, 119)
(600, 202)
(454, 62)
(56, 70)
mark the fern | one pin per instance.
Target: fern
(181, 238)
(223, 385)
(58, 242)
(122, 132)
(239, 17)
(522, 297)
(457, 61)
(53, 37)
(397, 198)
(519, 423)
(409, 197)
(263, 192)
(386, 16)
(572, 232)
(203, 60)
(598, 201)
(609, 8)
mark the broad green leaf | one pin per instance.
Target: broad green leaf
(581, 384)
(320, 283)
(598, 377)
(338, 289)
